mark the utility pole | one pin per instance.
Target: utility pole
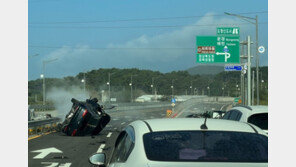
(257, 61)
(242, 85)
(254, 22)
(249, 71)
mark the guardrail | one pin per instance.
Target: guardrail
(42, 126)
(38, 107)
(139, 107)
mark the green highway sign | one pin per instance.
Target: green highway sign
(227, 30)
(237, 100)
(217, 49)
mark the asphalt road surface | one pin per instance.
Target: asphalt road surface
(59, 150)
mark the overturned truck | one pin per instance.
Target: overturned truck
(85, 118)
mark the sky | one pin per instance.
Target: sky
(158, 35)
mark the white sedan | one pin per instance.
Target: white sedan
(257, 115)
(187, 142)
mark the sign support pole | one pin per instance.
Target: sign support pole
(253, 87)
(249, 71)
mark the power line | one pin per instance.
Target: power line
(103, 48)
(142, 19)
(44, 0)
(125, 27)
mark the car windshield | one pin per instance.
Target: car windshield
(260, 120)
(206, 146)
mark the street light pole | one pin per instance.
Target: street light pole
(109, 84)
(43, 84)
(109, 88)
(131, 85)
(84, 82)
(172, 89)
(152, 85)
(257, 54)
(191, 89)
(236, 90)
(44, 62)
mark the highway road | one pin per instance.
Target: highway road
(58, 150)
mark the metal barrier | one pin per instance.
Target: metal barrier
(42, 126)
(37, 107)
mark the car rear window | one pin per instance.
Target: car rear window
(206, 146)
(260, 120)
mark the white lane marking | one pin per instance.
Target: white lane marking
(65, 165)
(100, 150)
(45, 152)
(55, 164)
(50, 164)
(122, 123)
(109, 134)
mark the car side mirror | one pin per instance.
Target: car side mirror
(98, 159)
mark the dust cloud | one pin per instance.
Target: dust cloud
(61, 98)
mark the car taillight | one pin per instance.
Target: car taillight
(85, 112)
(66, 128)
(74, 132)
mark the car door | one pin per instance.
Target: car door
(123, 147)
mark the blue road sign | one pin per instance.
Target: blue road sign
(173, 100)
(233, 68)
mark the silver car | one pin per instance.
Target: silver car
(187, 142)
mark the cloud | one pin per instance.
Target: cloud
(79, 58)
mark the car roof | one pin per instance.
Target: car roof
(191, 124)
(252, 109)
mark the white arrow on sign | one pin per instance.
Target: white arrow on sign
(45, 152)
(227, 55)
